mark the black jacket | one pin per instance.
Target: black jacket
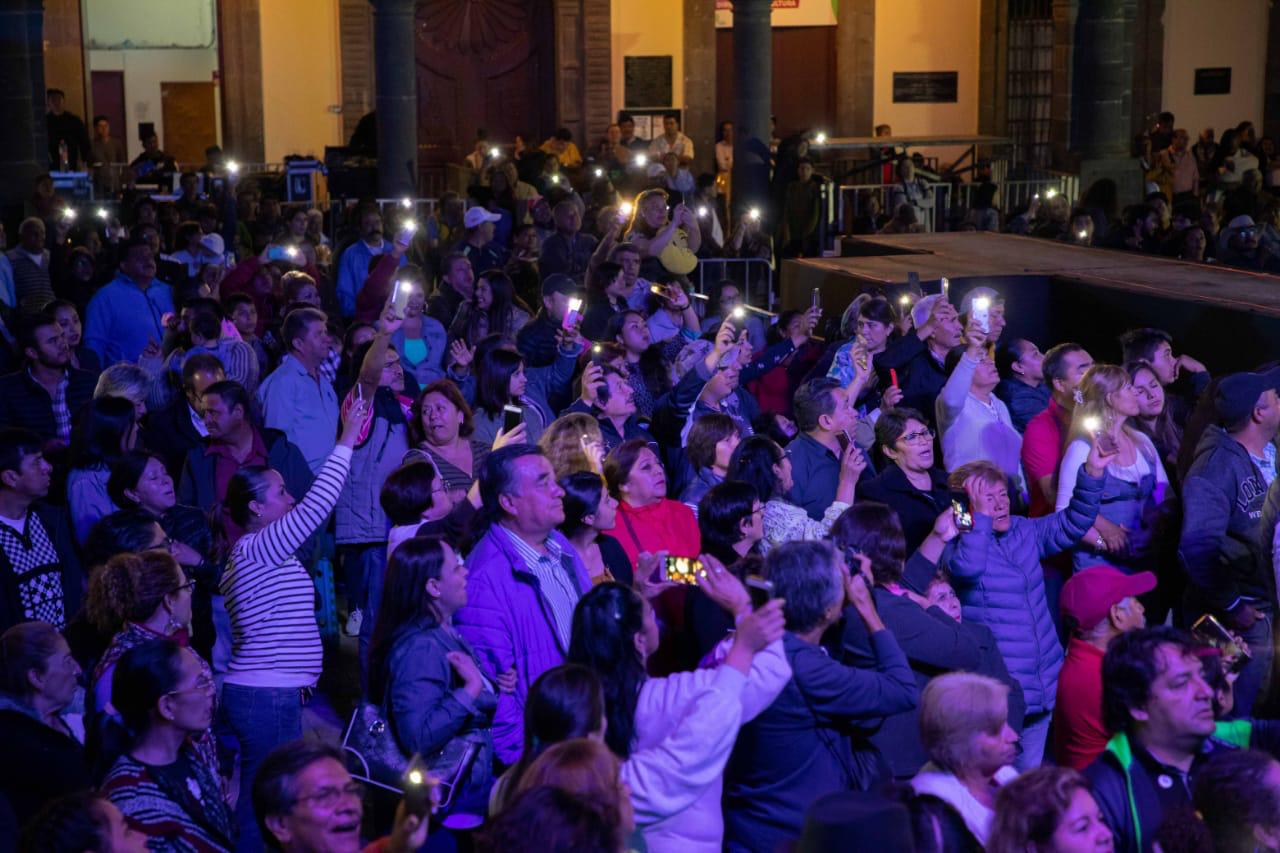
(25, 403)
(171, 434)
(920, 376)
(197, 486)
(1126, 780)
(37, 763)
(933, 642)
(916, 509)
(803, 745)
(536, 340)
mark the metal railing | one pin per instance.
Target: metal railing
(740, 271)
(951, 201)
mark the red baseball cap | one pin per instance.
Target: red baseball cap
(1089, 594)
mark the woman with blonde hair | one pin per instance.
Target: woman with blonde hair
(964, 726)
(573, 442)
(1108, 405)
(1048, 810)
(668, 241)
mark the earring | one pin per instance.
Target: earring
(171, 625)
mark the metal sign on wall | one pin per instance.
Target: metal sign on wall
(787, 13)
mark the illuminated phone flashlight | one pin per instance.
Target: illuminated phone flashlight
(1082, 234)
(409, 225)
(555, 179)
(641, 159)
(754, 214)
(656, 289)
(494, 152)
(291, 251)
(1050, 193)
(982, 303)
(405, 287)
(820, 139)
(596, 349)
(702, 211)
(739, 312)
(415, 777)
(233, 168)
(575, 304)
(904, 299)
(599, 173)
(406, 203)
(102, 213)
(69, 214)
(1092, 424)
(624, 209)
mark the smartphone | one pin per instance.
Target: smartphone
(418, 785)
(405, 236)
(946, 288)
(817, 298)
(893, 377)
(1106, 442)
(681, 570)
(760, 590)
(980, 311)
(1211, 632)
(512, 417)
(400, 298)
(961, 511)
(278, 253)
(574, 314)
(737, 318)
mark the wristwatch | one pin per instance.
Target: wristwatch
(1100, 543)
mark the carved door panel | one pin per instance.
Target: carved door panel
(482, 64)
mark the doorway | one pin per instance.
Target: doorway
(108, 100)
(190, 124)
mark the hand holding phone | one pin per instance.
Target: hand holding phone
(573, 315)
(961, 511)
(421, 789)
(512, 417)
(681, 570)
(400, 298)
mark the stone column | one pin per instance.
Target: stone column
(700, 120)
(395, 98)
(855, 68)
(1102, 95)
(752, 101)
(24, 152)
(1271, 98)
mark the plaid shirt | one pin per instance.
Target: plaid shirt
(556, 582)
(61, 412)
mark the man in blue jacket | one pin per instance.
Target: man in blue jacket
(1221, 548)
(127, 315)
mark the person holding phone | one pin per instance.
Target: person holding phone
(1124, 534)
(995, 568)
(675, 734)
(811, 739)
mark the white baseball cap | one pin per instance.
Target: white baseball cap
(477, 215)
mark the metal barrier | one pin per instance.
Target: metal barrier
(744, 279)
(951, 199)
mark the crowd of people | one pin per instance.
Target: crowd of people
(623, 566)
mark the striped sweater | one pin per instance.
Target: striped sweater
(269, 594)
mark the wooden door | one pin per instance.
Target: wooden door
(108, 100)
(483, 66)
(804, 78)
(190, 125)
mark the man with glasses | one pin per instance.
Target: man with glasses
(305, 800)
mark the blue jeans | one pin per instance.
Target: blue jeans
(373, 561)
(1035, 733)
(262, 719)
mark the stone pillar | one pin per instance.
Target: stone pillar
(396, 98)
(752, 101)
(855, 68)
(24, 152)
(1102, 95)
(1271, 96)
(700, 120)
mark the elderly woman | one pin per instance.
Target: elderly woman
(911, 484)
(41, 756)
(440, 429)
(811, 740)
(964, 724)
(1050, 810)
(648, 521)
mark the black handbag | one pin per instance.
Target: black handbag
(375, 758)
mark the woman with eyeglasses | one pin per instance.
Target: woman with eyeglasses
(140, 481)
(911, 484)
(165, 784)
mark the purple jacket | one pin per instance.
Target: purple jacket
(507, 622)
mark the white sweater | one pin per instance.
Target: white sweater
(973, 430)
(270, 598)
(686, 725)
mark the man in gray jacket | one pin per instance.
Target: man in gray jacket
(1230, 573)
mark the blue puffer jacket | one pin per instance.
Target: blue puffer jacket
(1001, 585)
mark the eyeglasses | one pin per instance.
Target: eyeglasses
(327, 798)
(204, 684)
(757, 511)
(188, 585)
(921, 435)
